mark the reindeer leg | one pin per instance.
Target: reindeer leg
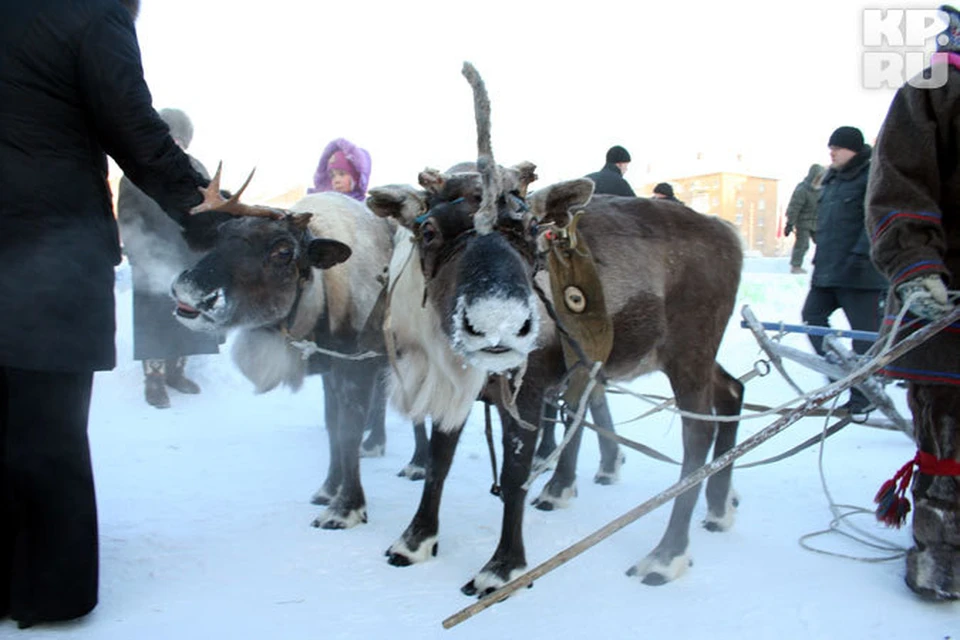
(562, 486)
(375, 444)
(416, 469)
(353, 386)
(548, 440)
(722, 500)
(419, 542)
(669, 560)
(509, 559)
(611, 458)
(331, 486)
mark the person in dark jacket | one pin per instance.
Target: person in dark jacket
(71, 91)
(157, 252)
(802, 216)
(913, 213)
(843, 276)
(664, 191)
(610, 178)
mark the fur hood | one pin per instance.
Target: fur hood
(358, 157)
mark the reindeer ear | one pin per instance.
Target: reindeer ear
(324, 254)
(553, 203)
(526, 173)
(432, 180)
(400, 202)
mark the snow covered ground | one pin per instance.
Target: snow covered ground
(205, 523)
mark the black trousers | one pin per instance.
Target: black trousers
(861, 306)
(48, 513)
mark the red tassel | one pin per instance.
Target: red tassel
(891, 499)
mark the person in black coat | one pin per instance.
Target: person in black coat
(157, 252)
(664, 191)
(843, 275)
(610, 178)
(71, 92)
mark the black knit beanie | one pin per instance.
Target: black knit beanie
(949, 38)
(617, 154)
(847, 138)
(664, 189)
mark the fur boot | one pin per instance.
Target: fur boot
(933, 565)
(176, 379)
(154, 389)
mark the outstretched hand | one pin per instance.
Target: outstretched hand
(927, 296)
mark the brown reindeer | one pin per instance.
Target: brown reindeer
(468, 307)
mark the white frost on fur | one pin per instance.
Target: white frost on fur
(430, 380)
(724, 523)
(559, 502)
(423, 553)
(488, 580)
(267, 360)
(670, 572)
(498, 319)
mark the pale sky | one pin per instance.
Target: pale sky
(269, 84)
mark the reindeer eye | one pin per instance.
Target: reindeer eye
(427, 233)
(281, 254)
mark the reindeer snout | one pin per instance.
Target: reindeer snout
(497, 332)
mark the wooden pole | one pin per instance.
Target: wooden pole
(688, 482)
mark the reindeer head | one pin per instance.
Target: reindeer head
(256, 270)
(476, 234)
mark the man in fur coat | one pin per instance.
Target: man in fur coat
(71, 91)
(913, 216)
(158, 253)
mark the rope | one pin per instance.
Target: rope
(841, 515)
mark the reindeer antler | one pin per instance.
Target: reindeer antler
(486, 216)
(213, 200)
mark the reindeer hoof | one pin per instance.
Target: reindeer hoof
(718, 523)
(488, 581)
(372, 450)
(397, 560)
(333, 520)
(546, 501)
(413, 472)
(656, 572)
(607, 478)
(403, 554)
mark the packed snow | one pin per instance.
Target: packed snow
(205, 521)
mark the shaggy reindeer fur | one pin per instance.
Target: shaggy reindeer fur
(669, 277)
(276, 280)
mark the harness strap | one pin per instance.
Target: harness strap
(495, 487)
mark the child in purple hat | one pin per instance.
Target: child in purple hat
(344, 167)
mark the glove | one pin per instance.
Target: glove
(787, 230)
(930, 298)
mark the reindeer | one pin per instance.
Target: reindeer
(466, 306)
(284, 276)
